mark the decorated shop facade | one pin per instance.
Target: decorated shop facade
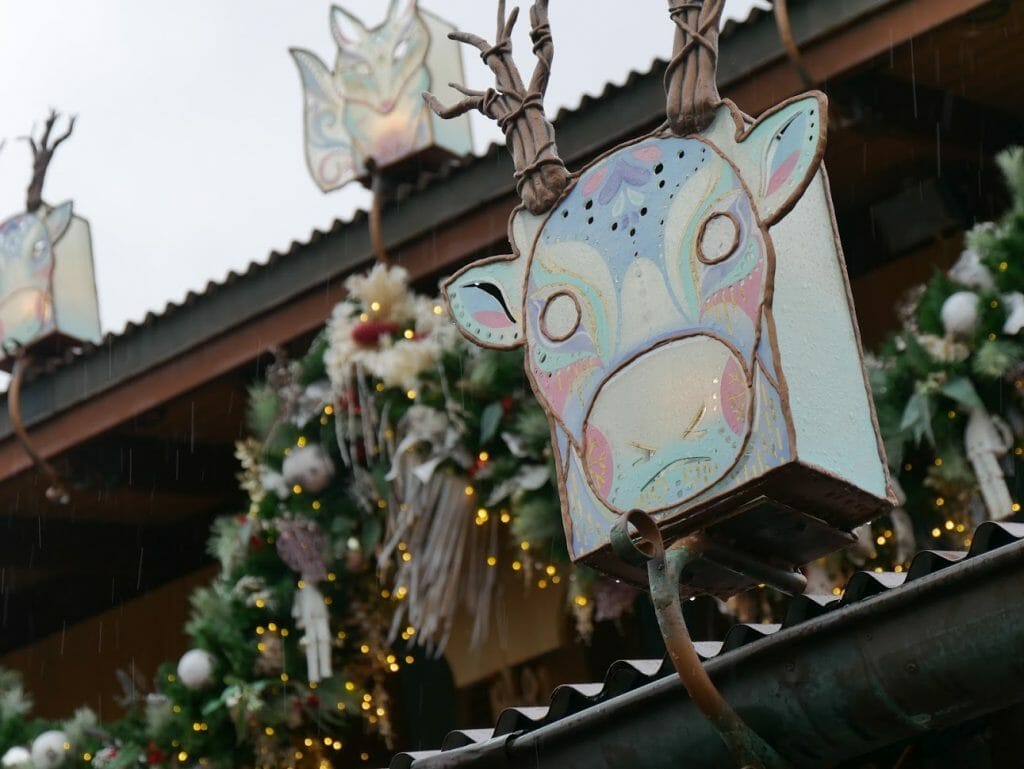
(427, 469)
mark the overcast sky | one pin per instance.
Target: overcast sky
(187, 157)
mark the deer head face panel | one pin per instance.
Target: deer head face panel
(26, 272)
(368, 111)
(644, 301)
(382, 73)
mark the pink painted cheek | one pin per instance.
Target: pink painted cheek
(557, 385)
(734, 395)
(749, 299)
(747, 296)
(599, 461)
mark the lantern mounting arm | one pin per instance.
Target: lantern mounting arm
(664, 569)
(57, 491)
(381, 188)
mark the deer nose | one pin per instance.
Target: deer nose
(667, 425)
(387, 105)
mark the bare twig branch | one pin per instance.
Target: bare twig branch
(42, 154)
(461, 108)
(48, 127)
(543, 46)
(541, 176)
(66, 134)
(690, 79)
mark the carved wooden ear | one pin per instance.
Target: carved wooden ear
(57, 221)
(486, 301)
(346, 28)
(787, 145)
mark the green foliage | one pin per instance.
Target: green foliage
(311, 366)
(539, 522)
(926, 384)
(929, 310)
(996, 358)
(263, 409)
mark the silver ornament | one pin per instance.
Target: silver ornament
(195, 669)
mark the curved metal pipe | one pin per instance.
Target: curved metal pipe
(664, 568)
(827, 690)
(376, 235)
(786, 35)
(56, 492)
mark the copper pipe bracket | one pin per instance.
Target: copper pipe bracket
(57, 491)
(789, 43)
(664, 568)
(378, 186)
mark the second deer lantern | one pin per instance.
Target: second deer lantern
(687, 323)
(366, 115)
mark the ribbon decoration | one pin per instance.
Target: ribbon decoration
(987, 438)
(302, 547)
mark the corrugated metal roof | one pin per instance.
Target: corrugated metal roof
(630, 675)
(423, 183)
(597, 122)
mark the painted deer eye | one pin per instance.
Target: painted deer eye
(718, 238)
(560, 317)
(401, 50)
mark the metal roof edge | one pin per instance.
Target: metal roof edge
(864, 671)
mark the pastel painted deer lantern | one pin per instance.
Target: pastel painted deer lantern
(47, 290)
(48, 300)
(367, 113)
(687, 325)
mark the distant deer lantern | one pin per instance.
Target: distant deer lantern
(47, 288)
(687, 322)
(48, 298)
(366, 116)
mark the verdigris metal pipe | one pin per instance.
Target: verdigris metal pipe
(936, 652)
(664, 569)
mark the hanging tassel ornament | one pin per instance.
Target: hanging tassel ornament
(302, 547)
(986, 440)
(435, 546)
(310, 613)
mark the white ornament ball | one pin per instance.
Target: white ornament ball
(309, 467)
(50, 749)
(17, 758)
(960, 314)
(195, 669)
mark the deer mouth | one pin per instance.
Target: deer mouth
(667, 424)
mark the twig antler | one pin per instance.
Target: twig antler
(691, 89)
(541, 176)
(42, 154)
